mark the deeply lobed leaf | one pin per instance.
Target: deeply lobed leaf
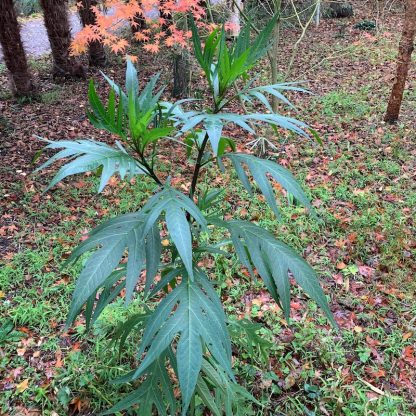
(193, 311)
(88, 156)
(260, 169)
(273, 260)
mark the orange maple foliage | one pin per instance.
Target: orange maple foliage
(159, 16)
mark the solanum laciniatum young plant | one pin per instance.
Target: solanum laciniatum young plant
(186, 336)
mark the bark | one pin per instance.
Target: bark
(181, 74)
(273, 54)
(181, 65)
(14, 54)
(55, 14)
(235, 17)
(96, 51)
(404, 61)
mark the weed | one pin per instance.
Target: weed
(51, 97)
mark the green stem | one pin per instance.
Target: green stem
(198, 166)
(150, 171)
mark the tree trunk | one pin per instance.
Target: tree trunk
(236, 6)
(181, 66)
(55, 14)
(181, 74)
(96, 52)
(14, 54)
(403, 62)
(273, 54)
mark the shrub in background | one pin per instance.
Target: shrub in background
(27, 7)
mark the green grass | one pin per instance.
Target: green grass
(362, 185)
(37, 295)
(51, 97)
(340, 103)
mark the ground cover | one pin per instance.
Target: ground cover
(362, 182)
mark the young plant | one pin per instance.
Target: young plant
(187, 333)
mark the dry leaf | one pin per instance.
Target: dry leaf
(341, 266)
(21, 387)
(21, 351)
(58, 356)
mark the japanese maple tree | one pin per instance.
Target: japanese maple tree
(161, 18)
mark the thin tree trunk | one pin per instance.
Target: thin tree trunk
(96, 51)
(236, 7)
(403, 62)
(55, 14)
(14, 54)
(273, 54)
(181, 74)
(181, 68)
(318, 13)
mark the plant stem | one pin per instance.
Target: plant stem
(151, 172)
(198, 166)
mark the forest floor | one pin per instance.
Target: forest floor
(362, 183)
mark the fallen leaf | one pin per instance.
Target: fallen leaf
(256, 302)
(366, 271)
(21, 351)
(290, 381)
(374, 388)
(58, 356)
(21, 387)
(76, 346)
(76, 403)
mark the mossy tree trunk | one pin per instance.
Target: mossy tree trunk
(14, 54)
(55, 14)
(404, 61)
(96, 51)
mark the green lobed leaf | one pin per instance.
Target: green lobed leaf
(110, 240)
(175, 205)
(273, 260)
(192, 310)
(180, 233)
(155, 393)
(108, 119)
(132, 82)
(260, 169)
(89, 155)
